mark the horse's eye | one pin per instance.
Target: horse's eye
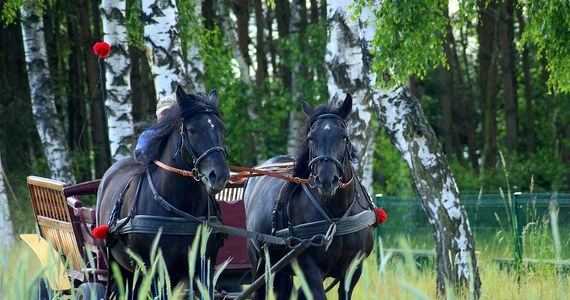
(191, 130)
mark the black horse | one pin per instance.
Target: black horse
(307, 212)
(170, 187)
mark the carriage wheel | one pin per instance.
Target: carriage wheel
(90, 291)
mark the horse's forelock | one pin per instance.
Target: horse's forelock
(197, 103)
(186, 108)
(302, 155)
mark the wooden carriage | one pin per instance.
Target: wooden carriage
(74, 261)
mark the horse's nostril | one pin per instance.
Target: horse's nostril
(212, 176)
(335, 180)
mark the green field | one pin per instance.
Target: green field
(396, 278)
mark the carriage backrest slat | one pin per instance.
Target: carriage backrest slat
(55, 219)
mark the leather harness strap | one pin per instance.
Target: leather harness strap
(175, 170)
(245, 172)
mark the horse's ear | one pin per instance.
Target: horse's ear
(307, 109)
(180, 93)
(213, 97)
(346, 106)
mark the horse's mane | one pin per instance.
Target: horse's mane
(186, 108)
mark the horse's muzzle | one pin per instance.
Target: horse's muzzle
(327, 186)
(216, 180)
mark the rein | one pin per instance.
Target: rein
(245, 172)
(174, 170)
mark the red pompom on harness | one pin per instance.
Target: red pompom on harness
(101, 232)
(381, 215)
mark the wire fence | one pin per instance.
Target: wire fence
(485, 212)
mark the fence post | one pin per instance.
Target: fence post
(518, 218)
(377, 231)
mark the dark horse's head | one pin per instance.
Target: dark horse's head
(200, 145)
(327, 151)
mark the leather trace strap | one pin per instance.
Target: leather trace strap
(174, 170)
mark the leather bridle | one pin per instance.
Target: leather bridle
(339, 164)
(196, 160)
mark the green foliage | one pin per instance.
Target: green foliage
(409, 37)
(10, 11)
(189, 24)
(271, 101)
(135, 25)
(222, 74)
(395, 178)
(548, 29)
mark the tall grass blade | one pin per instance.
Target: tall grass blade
(192, 257)
(302, 281)
(354, 265)
(269, 277)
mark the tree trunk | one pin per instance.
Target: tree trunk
(162, 38)
(230, 37)
(118, 101)
(194, 63)
(261, 57)
(527, 83)
(349, 71)
(48, 124)
(242, 17)
(78, 134)
(283, 16)
(467, 115)
(446, 90)
(401, 115)
(506, 42)
(487, 80)
(6, 228)
(299, 72)
(99, 137)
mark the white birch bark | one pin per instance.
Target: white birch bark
(295, 115)
(349, 71)
(401, 115)
(118, 98)
(6, 228)
(44, 111)
(228, 27)
(162, 39)
(194, 63)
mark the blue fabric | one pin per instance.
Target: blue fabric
(143, 140)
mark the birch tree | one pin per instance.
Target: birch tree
(349, 71)
(118, 102)
(6, 229)
(191, 52)
(44, 111)
(162, 40)
(401, 115)
(296, 117)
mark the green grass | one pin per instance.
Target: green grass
(395, 279)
